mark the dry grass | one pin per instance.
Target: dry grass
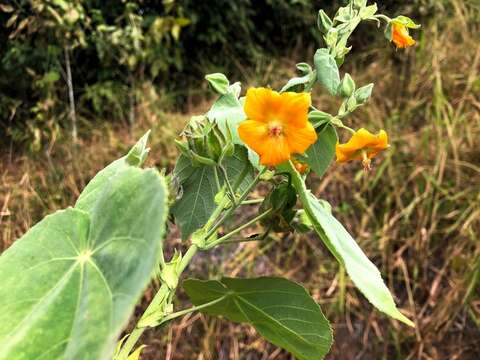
(417, 215)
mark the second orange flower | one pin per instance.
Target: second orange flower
(277, 124)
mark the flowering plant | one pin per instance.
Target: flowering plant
(72, 281)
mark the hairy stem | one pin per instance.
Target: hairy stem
(160, 298)
(237, 230)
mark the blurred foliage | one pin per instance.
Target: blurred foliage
(116, 47)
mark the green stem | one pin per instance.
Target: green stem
(383, 17)
(229, 186)
(252, 201)
(190, 310)
(215, 242)
(338, 123)
(192, 250)
(230, 211)
(241, 240)
(347, 128)
(160, 297)
(217, 180)
(132, 339)
(225, 200)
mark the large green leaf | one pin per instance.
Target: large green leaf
(361, 270)
(320, 154)
(71, 282)
(327, 70)
(280, 310)
(197, 202)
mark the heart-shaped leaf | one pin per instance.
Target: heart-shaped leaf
(280, 310)
(71, 282)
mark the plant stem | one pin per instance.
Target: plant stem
(190, 310)
(192, 250)
(237, 230)
(252, 201)
(230, 211)
(383, 17)
(229, 186)
(132, 339)
(217, 180)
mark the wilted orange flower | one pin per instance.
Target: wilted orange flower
(401, 37)
(363, 145)
(277, 124)
(302, 168)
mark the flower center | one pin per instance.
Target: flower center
(275, 129)
(367, 163)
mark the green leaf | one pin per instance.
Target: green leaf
(368, 11)
(135, 157)
(239, 165)
(71, 282)
(361, 270)
(327, 71)
(320, 154)
(344, 14)
(197, 203)
(227, 111)
(406, 21)
(359, 4)
(254, 159)
(308, 78)
(219, 82)
(280, 310)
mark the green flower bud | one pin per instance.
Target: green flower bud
(324, 23)
(347, 86)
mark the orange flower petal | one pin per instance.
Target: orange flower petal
(277, 124)
(300, 138)
(275, 151)
(260, 103)
(294, 110)
(361, 140)
(254, 134)
(401, 37)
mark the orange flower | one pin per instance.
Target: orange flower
(401, 37)
(302, 168)
(277, 124)
(363, 145)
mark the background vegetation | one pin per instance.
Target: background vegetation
(140, 64)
